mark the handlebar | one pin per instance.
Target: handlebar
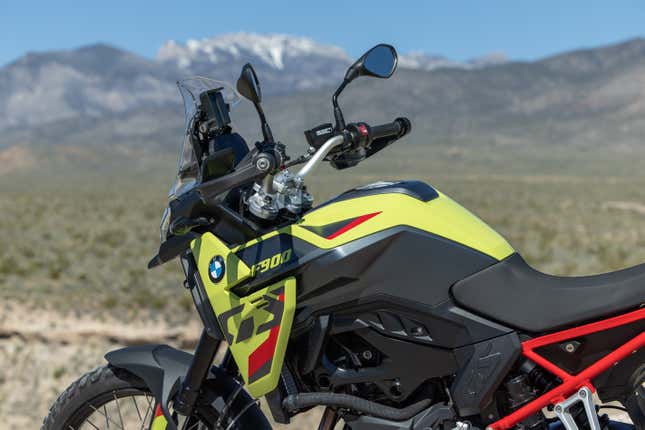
(321, 154)
(359, 135)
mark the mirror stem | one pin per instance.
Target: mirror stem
(266, 130)
(338, 114)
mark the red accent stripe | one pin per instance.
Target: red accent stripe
(572, 383)
(266, 350)
(158, 411)
(358, 221)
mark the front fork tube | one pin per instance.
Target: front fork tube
(196, 375)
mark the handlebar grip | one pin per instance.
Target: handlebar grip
(397, 128)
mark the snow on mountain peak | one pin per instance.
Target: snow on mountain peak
(276, 51)
(272, 49)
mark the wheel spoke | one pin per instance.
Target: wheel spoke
(108, 420)
(134, 400)
(148, 409)
(194, 426)
(118, 407)
(91, 423)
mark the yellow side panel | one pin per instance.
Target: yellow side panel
(159, 423)
(257, 326)
(441, 216)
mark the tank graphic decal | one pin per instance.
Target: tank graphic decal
(335, 229)
(273, 262)
(261, 359)
(274, 252)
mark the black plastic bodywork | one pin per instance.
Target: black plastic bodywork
(200, 298)
(171, 248)
(161, 367)
(399, 266)
(402, 269)
(224, 222)
(483, 367)
(417, 189)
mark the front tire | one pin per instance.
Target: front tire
(108, 397)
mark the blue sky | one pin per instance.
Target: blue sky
(457, 29)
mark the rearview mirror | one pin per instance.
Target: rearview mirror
(248, 85)
(380, 62)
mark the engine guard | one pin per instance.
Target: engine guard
(161, 367)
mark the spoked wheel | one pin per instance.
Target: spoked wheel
(113, 399)
(124, 409)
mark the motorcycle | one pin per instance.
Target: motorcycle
(390, 306)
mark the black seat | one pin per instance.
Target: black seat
(515, 294)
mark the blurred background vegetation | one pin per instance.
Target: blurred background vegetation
(78, 239)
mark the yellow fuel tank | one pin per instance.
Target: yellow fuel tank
(376, 207)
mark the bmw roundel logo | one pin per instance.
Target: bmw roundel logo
(216, 268)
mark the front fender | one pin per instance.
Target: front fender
(161, 368)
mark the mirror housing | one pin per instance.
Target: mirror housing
(379, 62)
(248, 86)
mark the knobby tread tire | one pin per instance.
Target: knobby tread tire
(74, 396)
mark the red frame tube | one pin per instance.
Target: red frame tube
(571, 383)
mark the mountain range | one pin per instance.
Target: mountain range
(102, 95)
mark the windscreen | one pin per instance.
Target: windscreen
(191, 90)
